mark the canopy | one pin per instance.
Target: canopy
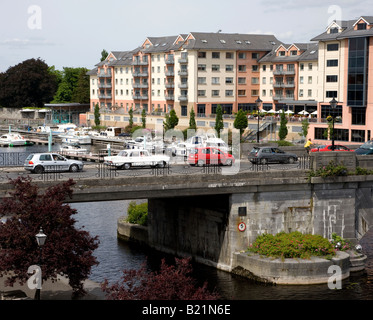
(304, 112)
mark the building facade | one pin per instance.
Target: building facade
(199, 71)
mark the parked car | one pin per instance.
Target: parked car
(136, 158)
(365, 149)
(209, 155)
(264, 155)
(329, 147)
(48, 162)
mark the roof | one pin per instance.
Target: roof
(231, 41)
(348, 31)
(310, 51)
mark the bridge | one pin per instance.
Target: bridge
(211, 215)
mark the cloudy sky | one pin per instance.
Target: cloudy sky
(72, 33)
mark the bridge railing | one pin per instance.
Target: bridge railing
(14, 161)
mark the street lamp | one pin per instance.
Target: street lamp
(40, 239)
(258, 104)
(333, 104)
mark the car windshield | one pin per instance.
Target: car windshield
(122, 153)
(367, 145)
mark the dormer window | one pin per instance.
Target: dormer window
(293, 52)
(334, 30)
(281, 53)
(361, 26)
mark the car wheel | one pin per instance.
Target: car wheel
(127, 166)
(161, 164)
(200, 163)
(263, 161)
(74, 168)
(291, 160)
(39, 169)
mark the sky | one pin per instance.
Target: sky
(67, 33)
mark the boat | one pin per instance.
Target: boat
(73, 149)
(76, 137)
(13, 139)
(57, 129)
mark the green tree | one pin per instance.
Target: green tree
(305, 126)
(104, 54)
(143, 118)
(171, 120)
(80, 93)
(240, 122)
(97, 115)
(219, 124)
(283, 131)
(131, 117)
(192, 120)
(30, 83)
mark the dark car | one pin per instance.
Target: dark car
(326, 148)
(264, 155)
(365, 149)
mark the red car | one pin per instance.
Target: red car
(209, 155)
(337, 147)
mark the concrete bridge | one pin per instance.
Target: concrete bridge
(212, 216)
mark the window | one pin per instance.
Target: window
(301, 67)
(229, 67)
(361, 26)
(357, 136)
(309, 80)
(229, 93)
(229, 80)
(264, 67)
(215, 93)
(216, 55)
(332, 78)
(310, 66)
(293, 52)
(201, 67)
(332, 63)
(202, 54)
(229, 55)
(301, 80)
(254, 80)
(201, 93)
(255, 55)
(301, 92)
(254, 93)
(331, 94)
(201, 80)
(333, 30)
(255, 68)
(241, 93)
(241, 80)
(215, 80)
(309, 93)
(281, 53)
(241, 68)
(215, 67)
(241, 55)
(264, 80)
(358, 116)
(184, 111)
(264, 93)
(332, 47)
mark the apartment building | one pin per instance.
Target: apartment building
(345, 73)
(289, 78)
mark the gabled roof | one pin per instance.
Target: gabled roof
(310, 53)
(348, 31)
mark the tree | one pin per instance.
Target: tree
(240, 122)
(131, 117)
(97, 115)
(104, 55)
(30, 83)
(192, 120)
(305, 126)
(143, 118)
(283, 131)
(171, 120)
(170, 283)
(80, 92)
(219, 124)
(67, 251)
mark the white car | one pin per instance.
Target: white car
(45, 162)
(127, 159)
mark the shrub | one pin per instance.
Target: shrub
(339, 243)
(137, 213)
(330, 170)
(292, 245)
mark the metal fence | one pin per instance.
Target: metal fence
(14, 161)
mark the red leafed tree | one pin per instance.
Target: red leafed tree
(67, 250)
(170, 283)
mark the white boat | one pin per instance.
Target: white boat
(73, 149)
(12, 139)
(57, 129)
(76, 137)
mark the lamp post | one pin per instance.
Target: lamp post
(333, 104)
(40, 239)
(258, 104)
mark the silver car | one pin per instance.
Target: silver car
(48, 162)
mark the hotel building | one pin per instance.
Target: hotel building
(200, 71)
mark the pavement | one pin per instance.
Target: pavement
(59, 290)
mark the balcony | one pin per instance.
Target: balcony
(104, 96)
(183, 86)
(170, 85)
(140, 74)
(139, 63)
(183, 98)
(104, 85)
(183, 72)
(104, 75)
(170, 97)
(170, 61)
(170, 73)
(140, 97)
(278, 85)
(140, 85)
(284, 72)
(183, 60)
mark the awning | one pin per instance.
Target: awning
(299, 102)
(27, 110)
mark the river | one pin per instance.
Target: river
(100, 218)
